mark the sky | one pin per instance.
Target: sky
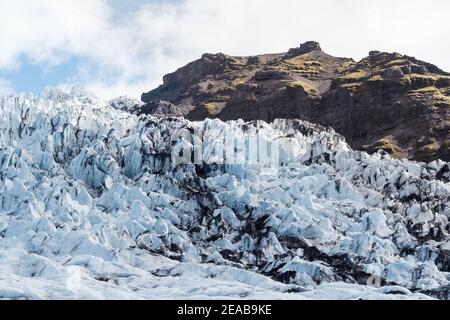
(124, 47)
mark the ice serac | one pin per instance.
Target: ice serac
(93, 205)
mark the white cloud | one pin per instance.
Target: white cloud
(129, 52)
(49, 30)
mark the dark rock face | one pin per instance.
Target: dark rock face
(162, 108)
(386, 101)
(304, 48)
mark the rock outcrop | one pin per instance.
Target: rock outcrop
(386, 101)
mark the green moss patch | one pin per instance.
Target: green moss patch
(427, 153)
(386, 145)
(355, 75)
(302, 85)
(213, 108)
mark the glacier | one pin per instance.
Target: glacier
(93, 206)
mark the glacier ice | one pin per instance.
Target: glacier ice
(94, 205)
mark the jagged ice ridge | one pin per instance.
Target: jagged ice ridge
(92, 206)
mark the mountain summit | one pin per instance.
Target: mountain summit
(386, 101)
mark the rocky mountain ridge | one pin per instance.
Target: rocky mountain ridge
(386, 101)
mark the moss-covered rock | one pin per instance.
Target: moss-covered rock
(301, 86)
(385, 145)
(427, 153)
